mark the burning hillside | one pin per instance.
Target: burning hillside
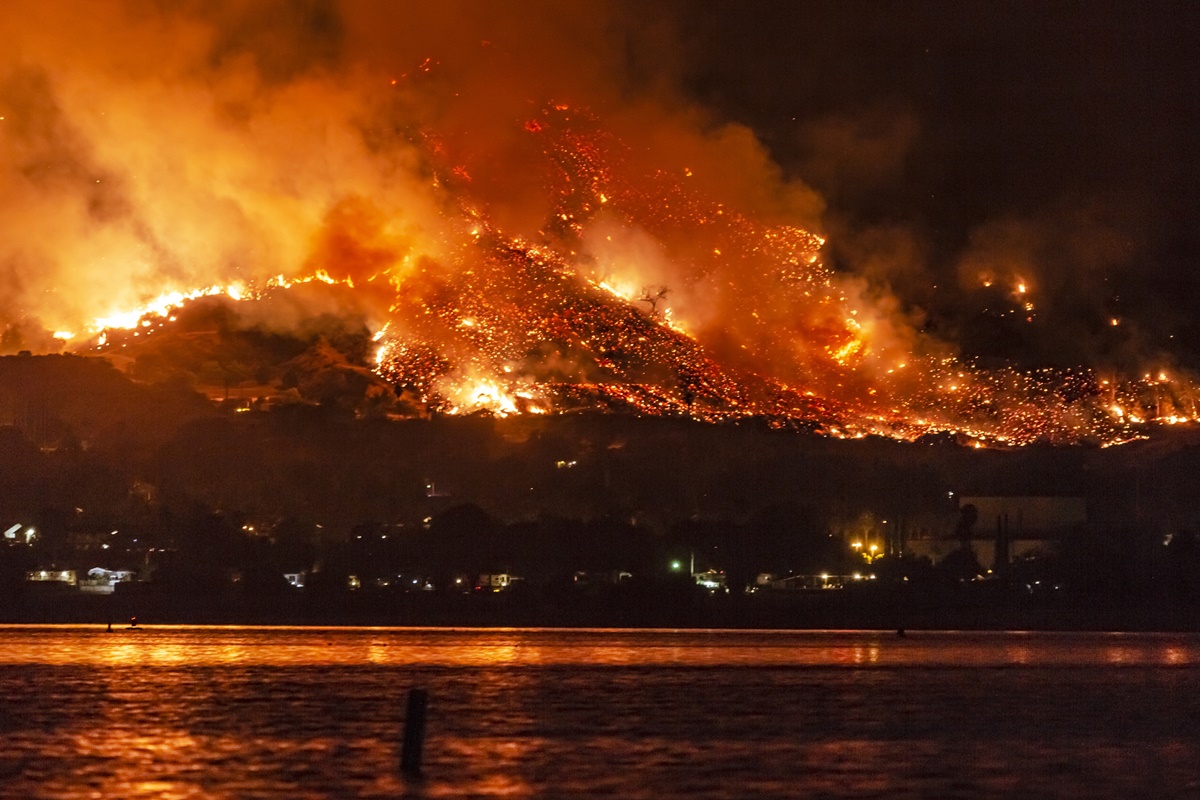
(502, 254)
(511, 326)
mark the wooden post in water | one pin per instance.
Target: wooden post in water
(414, 732)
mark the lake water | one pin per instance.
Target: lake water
(202, 712)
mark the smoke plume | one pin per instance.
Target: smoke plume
(432, 155)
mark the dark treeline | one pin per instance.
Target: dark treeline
(213, 501)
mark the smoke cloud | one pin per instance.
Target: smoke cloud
(149, 148)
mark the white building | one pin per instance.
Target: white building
(104, 581)
(66, 576)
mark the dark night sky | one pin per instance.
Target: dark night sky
(1061, 134)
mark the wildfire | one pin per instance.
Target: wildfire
(511, 326)
(484, 394)
(161, 306)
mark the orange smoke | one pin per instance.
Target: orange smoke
(529, 214)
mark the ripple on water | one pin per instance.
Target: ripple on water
(273, 713)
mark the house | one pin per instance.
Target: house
(495, 581)
(65, 576)
(597, 577)
(710, 579)
(824, 580)
(104, 581)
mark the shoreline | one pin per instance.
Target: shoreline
(808, 611)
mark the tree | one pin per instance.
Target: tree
(652, 295)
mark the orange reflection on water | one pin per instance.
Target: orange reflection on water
(499, 768)
(1118, 656)
(847, 654)
(1020, 654)
(178, 646)
(504, 653)
(136, 765)
(1175, 656)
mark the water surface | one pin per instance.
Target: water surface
(202, 712)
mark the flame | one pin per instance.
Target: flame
(482, 395)
(624, 292)
(509, 326)
(160, 306)
(165, 304)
